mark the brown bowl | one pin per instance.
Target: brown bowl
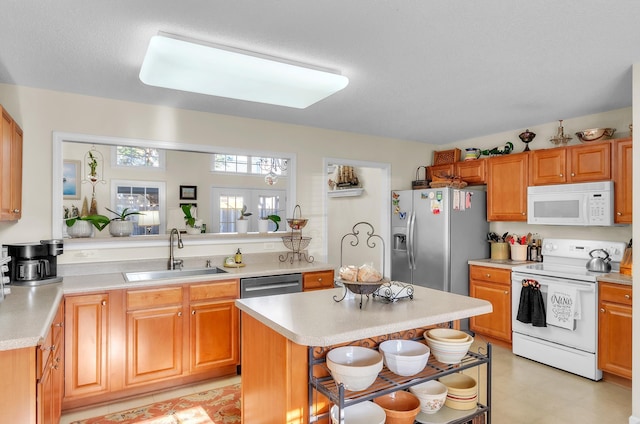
(595, 134)
(401, 407)
(297, 223)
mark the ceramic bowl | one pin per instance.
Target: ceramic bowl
(431, 394)
(355, 367)
(448, 335)
(595, 134)
(462, 391)
(448, 352)
(400, 407)
(360, 413)
(404, 357)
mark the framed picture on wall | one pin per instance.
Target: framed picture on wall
(71, 179)
(188, 192)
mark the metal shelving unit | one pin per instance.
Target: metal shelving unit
(388, 382)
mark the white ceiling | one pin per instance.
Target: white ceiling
(434, 71)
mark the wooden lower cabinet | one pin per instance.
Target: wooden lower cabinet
(126, 342)
(493, 285)
(86, 345)
(317, 280)
(50, 366)
(615, 329)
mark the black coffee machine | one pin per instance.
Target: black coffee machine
(34, 264)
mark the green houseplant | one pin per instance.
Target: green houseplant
(193, 224)
(121, 226)
(80, 226)
(264, 223)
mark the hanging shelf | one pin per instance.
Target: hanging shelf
(346, 192)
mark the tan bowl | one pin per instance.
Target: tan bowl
(400, 407)
(460, 384)
(448, 335)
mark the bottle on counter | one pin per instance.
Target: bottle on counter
(238, 257)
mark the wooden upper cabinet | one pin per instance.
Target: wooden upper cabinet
(575, 164)
(472, 171)
(445, 169)
(507, 181)
(623, 179)
(10, 168)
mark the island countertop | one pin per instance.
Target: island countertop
(316, 319)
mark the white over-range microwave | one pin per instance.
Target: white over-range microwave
(571, 204)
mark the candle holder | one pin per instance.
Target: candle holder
(527, 137)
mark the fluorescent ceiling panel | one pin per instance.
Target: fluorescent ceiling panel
(187, 66)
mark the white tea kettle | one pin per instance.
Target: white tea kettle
(597, 263)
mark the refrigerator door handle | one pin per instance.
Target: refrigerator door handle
(409, 240)
(412, 254)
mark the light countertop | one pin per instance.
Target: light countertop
(26, 315)
(498, 263)
(315, 319)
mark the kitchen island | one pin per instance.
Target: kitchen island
(277, 331)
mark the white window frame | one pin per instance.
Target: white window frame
(251, 196)
(162, 160)
(162, 197)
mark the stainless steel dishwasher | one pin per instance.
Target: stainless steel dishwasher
(269, 285)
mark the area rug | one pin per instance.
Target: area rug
(217, 406)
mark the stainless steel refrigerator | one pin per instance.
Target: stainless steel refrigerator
(434, 233)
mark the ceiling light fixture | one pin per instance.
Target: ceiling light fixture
(179, 64)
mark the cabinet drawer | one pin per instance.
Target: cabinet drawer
(486, 273)
(317, 280)
(618, 293)
(214, 290)
(154, 297)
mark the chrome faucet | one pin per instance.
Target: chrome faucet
(173, 262)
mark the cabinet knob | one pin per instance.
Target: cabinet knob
(524, 213)
(104, 303)
(626, 296)
(573, 174)
(193, 312)
(58, 324)
(488, 275)
(561, 175)
(602, 310)
(619, 213)
(180, 313)
(16, 211)
(506, 292)
(320, 280)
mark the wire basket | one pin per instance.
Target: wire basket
(296, 243)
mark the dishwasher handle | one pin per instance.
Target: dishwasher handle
(270, 287)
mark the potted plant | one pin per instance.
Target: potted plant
(121, 226)
(82, 226)
(193, 224)
(242, 224)
(263, 223)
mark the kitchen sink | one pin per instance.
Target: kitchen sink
(170, 273)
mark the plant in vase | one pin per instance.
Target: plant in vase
(242, 224)
(263, 224)
(121, 226)
(82, 226)
(193, 224)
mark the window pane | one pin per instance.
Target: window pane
(137, 156)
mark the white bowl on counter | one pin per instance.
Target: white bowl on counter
(360, 413)
(355, 367)
(404, 357)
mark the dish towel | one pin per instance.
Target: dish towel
(531, 308)
(564, 307)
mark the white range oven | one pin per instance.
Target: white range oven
(567, 337)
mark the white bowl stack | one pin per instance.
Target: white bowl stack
(355, 367)
(447, 345)
(404, 357)
(432, 395)
(360, 413)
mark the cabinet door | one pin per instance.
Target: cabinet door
(154, 344)
(10, 168)
(472, 171)
(498, 323)
(85, 337)
(317, 280)
(589, 162)
(215, 338)
(507, 180)
(623, 180)
(549, 166)
(614, 338)
(444, 170)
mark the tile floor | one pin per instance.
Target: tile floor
(523, 392)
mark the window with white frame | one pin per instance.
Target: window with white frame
(138, 157)
(141, 196)
(243, 164)
(227, 202)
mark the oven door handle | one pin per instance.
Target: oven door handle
(588, 287)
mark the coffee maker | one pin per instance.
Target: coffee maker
(34, 264)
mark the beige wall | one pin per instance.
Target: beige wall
(41, 112)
